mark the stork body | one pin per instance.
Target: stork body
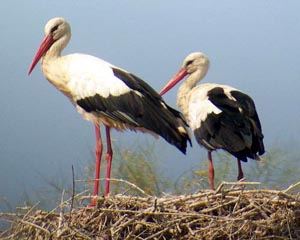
(220, 116)
(104, 93)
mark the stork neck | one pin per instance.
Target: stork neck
(52, 65)
(189, 83)
(55, 50)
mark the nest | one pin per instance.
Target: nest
(227, 213)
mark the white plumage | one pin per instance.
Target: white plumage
(106, 94)
(199, 106)
(221, 117)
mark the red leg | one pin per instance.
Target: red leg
(98, 151)
(241, 174)
(211, 171)
(108, 157)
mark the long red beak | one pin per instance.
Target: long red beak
(45, 45)
(179, 76)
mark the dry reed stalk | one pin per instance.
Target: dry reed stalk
(227, 213)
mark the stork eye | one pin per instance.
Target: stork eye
(54, 28)
(189, 62)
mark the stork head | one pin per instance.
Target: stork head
(195, 64)
(57, 34)
(196, 61)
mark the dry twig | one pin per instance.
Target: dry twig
(232, 213)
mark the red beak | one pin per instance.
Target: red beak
(179, 76)
(45, 45)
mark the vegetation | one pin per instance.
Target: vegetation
(139, 165)
(135, 164)
(141, 208)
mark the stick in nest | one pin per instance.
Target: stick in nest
(132, 185)
(234, 213)
(219, 188)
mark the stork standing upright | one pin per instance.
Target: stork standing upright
(220, 116)
(106, 94)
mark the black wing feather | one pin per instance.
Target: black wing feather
(236, 129)
(146, 110)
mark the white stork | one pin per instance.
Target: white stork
(220, 116)
(104, 93)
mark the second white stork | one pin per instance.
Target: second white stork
(104, 93)
(220, 116)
